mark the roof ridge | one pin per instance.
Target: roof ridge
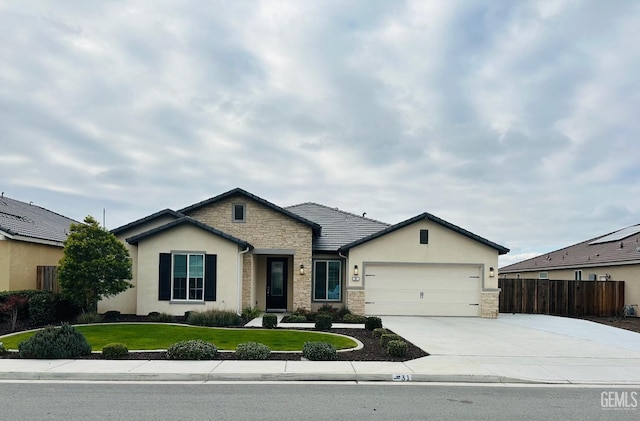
(341, 211)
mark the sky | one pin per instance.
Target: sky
(516, 120)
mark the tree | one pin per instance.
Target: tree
(11, 306)
(94, 265)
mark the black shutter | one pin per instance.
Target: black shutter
(164, 282)
(210, 271)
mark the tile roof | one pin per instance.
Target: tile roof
(429, 217)
(593, 252)
(29, 222)
(338, 227)
(159, 214)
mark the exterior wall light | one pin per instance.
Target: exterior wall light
(492, 272)
(355, 270)
(301, 269)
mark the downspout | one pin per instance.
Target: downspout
(239, 286)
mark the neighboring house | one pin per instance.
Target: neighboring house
(30, 236)
(238, 250)
(610, 257)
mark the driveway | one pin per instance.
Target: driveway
(524, 346)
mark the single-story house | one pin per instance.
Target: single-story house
(238, 250)
(30, 236)
(610, 257)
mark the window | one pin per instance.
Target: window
(239, 212)
(424, 236)
(327, 275)
(543, 275)
(187, 276)
(577, 275)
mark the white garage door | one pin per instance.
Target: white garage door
(422, 290)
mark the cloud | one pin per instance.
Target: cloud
(515, 120)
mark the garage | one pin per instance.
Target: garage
(422, 289)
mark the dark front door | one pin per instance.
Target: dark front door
(277, 284)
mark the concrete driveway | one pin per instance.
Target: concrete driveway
(523, 346)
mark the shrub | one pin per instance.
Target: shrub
(388, 337)
(377, 332)
(114, 351)
(3, 350)
(86, 318)
(301, 311)
(28, 293)
(161, 317)
(296, 318)
(195, 349)
(353, 318)
(269, 321)
(55, 342)
(66, 309)
(250, 313)
(252, 351)
(328, 309)
(42, 308)
(214, 318)
(343, 312)
(371, 323)
(319, 351)
(111, 316)
(324, 321)
(11, 306)
(397, 348)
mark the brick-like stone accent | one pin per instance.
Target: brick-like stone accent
(264, 228)
(489, 304)
(355, 301)
(247, 269)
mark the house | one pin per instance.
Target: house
(237, 250)
(30, 236)
(610, 257)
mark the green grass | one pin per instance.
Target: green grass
(147, 336)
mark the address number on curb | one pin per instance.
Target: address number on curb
(401, 377)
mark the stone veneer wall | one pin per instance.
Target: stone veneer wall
(489, 304)
(247, 270)
(264, 228)
(355, 301)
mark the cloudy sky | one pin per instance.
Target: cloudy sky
(517, 120)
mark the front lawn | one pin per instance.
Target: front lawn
(149, 336)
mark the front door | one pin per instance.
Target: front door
(277, 284)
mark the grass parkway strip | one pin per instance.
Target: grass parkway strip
(153, 336)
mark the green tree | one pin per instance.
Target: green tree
(94, 265)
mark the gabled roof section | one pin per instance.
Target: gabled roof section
(159, 214)
(27, 222)
(615, 248)
(186, 220)
(428, 217)
(240, 192)
(338, 227)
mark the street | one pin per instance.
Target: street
(303, 401)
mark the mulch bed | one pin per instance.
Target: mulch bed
(628, 323)
(372, 350)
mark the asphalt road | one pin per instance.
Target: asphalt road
(300, 401)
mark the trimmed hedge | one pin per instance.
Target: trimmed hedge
(114, 351)
(269, 321)
(397, 348)
(252, 351)
(195, 349)
(371, 323)
(388, 337)
(319, 351)
(324, 321)
(379, 332)
(214, 318)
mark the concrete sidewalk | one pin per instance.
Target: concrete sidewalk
(511, 349)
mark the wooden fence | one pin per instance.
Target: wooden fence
(562, 298)
(47, 278)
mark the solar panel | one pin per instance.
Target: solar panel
(618, 235)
